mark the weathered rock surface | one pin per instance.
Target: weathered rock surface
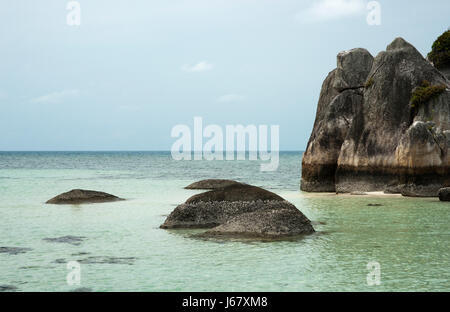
(211, 184)
(340, 101)
(376, 140)
(265, 223)
(235, 193)
(82, 197)
(444, 194)
(217, 207)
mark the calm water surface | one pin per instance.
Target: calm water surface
(124, 250)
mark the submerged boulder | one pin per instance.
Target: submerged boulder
(78, 196)
(211, 184)
(389, 135)
(218, 207)
(444, 194)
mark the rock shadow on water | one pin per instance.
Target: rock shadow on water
(250, 239)
(8, 288)
(14, 250)
(82, 289)
(100, 260)
(80, 254)
(69, 239)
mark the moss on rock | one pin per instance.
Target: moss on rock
(425, 92)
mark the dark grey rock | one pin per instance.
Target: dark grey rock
(234, 193)
(211, 184)
(353, 67)
(414, 190)
(264, 223)
(215, 207)
(240, 203)
(341, 99)
(376, 136)
(77, 196)
(444, 194)
(210, 214)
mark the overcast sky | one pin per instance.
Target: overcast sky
(134, 69)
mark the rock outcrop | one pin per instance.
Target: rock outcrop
(340, 101)
(444, 194)
(211, 184)
(237, 205)
(370, 136)
(75, 197)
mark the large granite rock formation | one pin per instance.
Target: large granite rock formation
(77, 196)
(237, 206)
(370, 136)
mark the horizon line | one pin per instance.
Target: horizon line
(91, 151)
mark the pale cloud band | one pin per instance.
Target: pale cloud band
(55, 97)
(229, 98)
(199, 67)
(325, 10)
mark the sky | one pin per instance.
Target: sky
(132, 70)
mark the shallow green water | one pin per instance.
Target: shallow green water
(409, 238)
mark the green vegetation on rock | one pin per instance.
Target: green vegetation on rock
(369, 83)
(425, 92)
(440, 53)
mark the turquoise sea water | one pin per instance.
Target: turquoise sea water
(123, 248)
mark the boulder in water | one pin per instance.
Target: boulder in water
(227, 205)
(444, 194)
(78, 196)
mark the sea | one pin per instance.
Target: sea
(371, 243)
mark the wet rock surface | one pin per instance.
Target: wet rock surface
(209, 209)
(238, 205)
(78, 196)
(444, 194)
(211, 184)
(265, 223)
